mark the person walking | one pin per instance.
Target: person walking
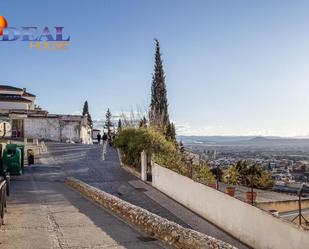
(99, 138)
(104, 138)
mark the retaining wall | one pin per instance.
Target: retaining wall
(249, 224)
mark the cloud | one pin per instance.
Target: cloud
(188, 130)
(76, 113)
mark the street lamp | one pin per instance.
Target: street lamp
(217, 176)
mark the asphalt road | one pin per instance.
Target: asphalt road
(66, 220)
(43, 213)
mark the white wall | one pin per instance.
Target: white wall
(14, 105)
(42, 128)
(55, 129)
(249, 224)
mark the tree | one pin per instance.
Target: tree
(170, 131)
(253, 174)
(232, 176)
(181, 147)
(119, 128)
(158, 114)
(265, 181)
(86, 112)
(242, 168)
(143, 122)
(217, 171)
(108, 123)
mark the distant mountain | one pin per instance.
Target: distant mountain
(244, 140)
(218, 139)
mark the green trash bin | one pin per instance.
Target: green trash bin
(13, 159)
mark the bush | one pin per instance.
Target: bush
(132, 141)
(202, 174)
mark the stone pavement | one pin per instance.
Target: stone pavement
(43, 213)
(86, 163)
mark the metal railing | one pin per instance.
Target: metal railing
(4, 192)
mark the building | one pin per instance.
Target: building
(13, 98)
(21, 119)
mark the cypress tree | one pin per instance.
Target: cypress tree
(86, 112)
(85, 108)
(158, 114)
(170, 132)
(108, 122)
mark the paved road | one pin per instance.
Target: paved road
(86, 163)
(43, 213)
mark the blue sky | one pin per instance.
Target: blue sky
(232, 67)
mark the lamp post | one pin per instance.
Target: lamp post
(217, 177)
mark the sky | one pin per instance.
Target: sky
(232, 67)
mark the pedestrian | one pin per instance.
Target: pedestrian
(99, 138)
(104, 138)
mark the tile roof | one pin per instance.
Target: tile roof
(12, 88)
(13, 98)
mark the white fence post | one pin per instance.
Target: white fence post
(144, 166)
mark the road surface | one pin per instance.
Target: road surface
(77, 223)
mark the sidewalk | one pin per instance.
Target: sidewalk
(47, 214)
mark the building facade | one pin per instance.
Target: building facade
(21, 119)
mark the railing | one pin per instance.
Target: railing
(4, 191)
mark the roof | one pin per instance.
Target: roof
(28, 94)
(12, 88)
(13, 98)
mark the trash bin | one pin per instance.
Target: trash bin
(30, 156)
(13, 159)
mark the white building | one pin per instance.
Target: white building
(24, 120)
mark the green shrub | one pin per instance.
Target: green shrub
(132, 141)
(203, 174)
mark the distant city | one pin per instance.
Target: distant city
(287, 159)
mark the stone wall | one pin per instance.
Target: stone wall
(156, 226)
